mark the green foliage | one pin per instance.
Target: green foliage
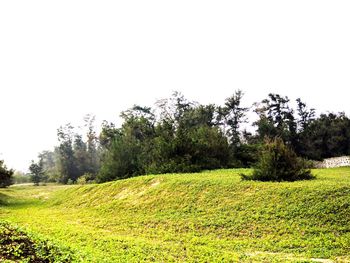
(21, 178)
(276, 118)
(16, 245)
(306, 116)
(188, 137)
(67, 162)
(121, 161)
(93, 159)
(326, 136)
(36, 173)
(49, 163)
(279, 163)
(204, 217)
(6, 175)
(86, 179)
(233, 115)
(185, 139)
(246, 155)
(76, 154)
(179, 135)
(311, 137)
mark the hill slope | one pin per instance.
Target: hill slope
(204, 217)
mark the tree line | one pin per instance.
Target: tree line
(179, 135)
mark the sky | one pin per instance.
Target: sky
(60, 60)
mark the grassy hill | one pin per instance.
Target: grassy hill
(204, 217)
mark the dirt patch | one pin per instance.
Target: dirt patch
(155, 183)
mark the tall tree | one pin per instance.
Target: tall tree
(48, 161)
(172, 110)
(108, 134)
(306, 116)
(67, 161)
(276, 119)
(126, 147)
(81, 157)
(93, 160)
(234, 115)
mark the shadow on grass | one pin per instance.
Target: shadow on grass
(3, 199)
(14, 203)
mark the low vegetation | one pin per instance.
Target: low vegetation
(203, 217)
(18, 246)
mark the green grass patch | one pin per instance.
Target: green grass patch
(204, 217)
(19, 246)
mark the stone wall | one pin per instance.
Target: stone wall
(334, 162)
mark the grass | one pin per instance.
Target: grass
(204, 217)
(18, 246)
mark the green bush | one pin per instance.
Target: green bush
(278, 163)
(87, 178)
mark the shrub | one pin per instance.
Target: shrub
(87, 178)
(278, 162)
(70, 182)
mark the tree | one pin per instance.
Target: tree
(276, 119)
(234, 115)
(231, 117)
(172, 110)
(306, 116)
(81, 157)
(49, 164)
(185, 138)
(124, 156)
(278, 162)
(326, 136)
(93, 158)
(121, 160)
(6, 175)
(108, 134)
(67, 163)
(36, 172)
(179, 135)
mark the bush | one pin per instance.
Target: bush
(87, 178)
(70, 182)
(277, 162)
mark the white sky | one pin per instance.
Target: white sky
(60, 60)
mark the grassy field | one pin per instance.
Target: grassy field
(204, 217)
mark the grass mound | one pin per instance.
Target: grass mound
(17, 246)
(203, 217)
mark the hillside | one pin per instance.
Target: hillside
(203, 217)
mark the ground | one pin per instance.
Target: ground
(204, 217)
